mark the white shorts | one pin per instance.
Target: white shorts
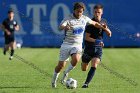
(68, 50)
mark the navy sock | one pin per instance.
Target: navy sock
(90, 75)
(12, 52)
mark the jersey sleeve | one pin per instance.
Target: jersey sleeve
(64, 22)
(4, 23)
(89, 21)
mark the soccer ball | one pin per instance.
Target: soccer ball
(71, 83)
(18, 45)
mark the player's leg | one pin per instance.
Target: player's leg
(12, 45)
(75, 57)
(58, 68)
(94, 63)
(63, 58)
(85, 61)
(6, 46)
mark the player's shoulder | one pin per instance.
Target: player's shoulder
(85, 17)
(5, 21)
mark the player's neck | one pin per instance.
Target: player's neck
(11, 18)
(98, 18)
(75, 16)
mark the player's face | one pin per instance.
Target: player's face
(98, 13)
(11, 15)
(78, 12)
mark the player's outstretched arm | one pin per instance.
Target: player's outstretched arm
(105, 28)
(108, 32)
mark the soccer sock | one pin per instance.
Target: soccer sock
(70, 67)
(12, 52)
(55, 77)
(4, 50)
(90, 75)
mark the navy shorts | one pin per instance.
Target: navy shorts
(90, 53)
(9, 39)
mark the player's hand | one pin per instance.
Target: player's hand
(99, 42)
(8, 32)
(102, 44)
(17, 28)
(104, 25)
(68, 28)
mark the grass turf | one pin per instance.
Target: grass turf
(32, 69)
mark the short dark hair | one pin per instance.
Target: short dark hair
(78, 5)
(98, 6)
(9, 11)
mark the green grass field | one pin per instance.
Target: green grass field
(34, 74)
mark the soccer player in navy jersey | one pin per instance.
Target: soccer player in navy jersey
(9, 26)
(93, 44)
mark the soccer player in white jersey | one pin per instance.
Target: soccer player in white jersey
(74, 27)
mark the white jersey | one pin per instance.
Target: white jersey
(75, 36)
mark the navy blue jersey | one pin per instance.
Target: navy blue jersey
(95, 33)
(9, 25)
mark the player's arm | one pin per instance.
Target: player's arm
(98, 25)
(3, 27)
(64, 25)
(17, 27)
(96, 41)
(5, 30)
(88, 38)
(109, 33)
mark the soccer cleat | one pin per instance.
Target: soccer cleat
(64, 78)
(85, 86)
(4, 52)
(63, 82)
(11, 57)
(53, 85)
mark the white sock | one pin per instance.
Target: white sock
(70, 67)
(55, 77)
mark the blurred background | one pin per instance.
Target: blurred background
(39, 20)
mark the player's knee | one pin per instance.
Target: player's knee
(84, 67)
(95, 63)
(75, 58)
(73, 63)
